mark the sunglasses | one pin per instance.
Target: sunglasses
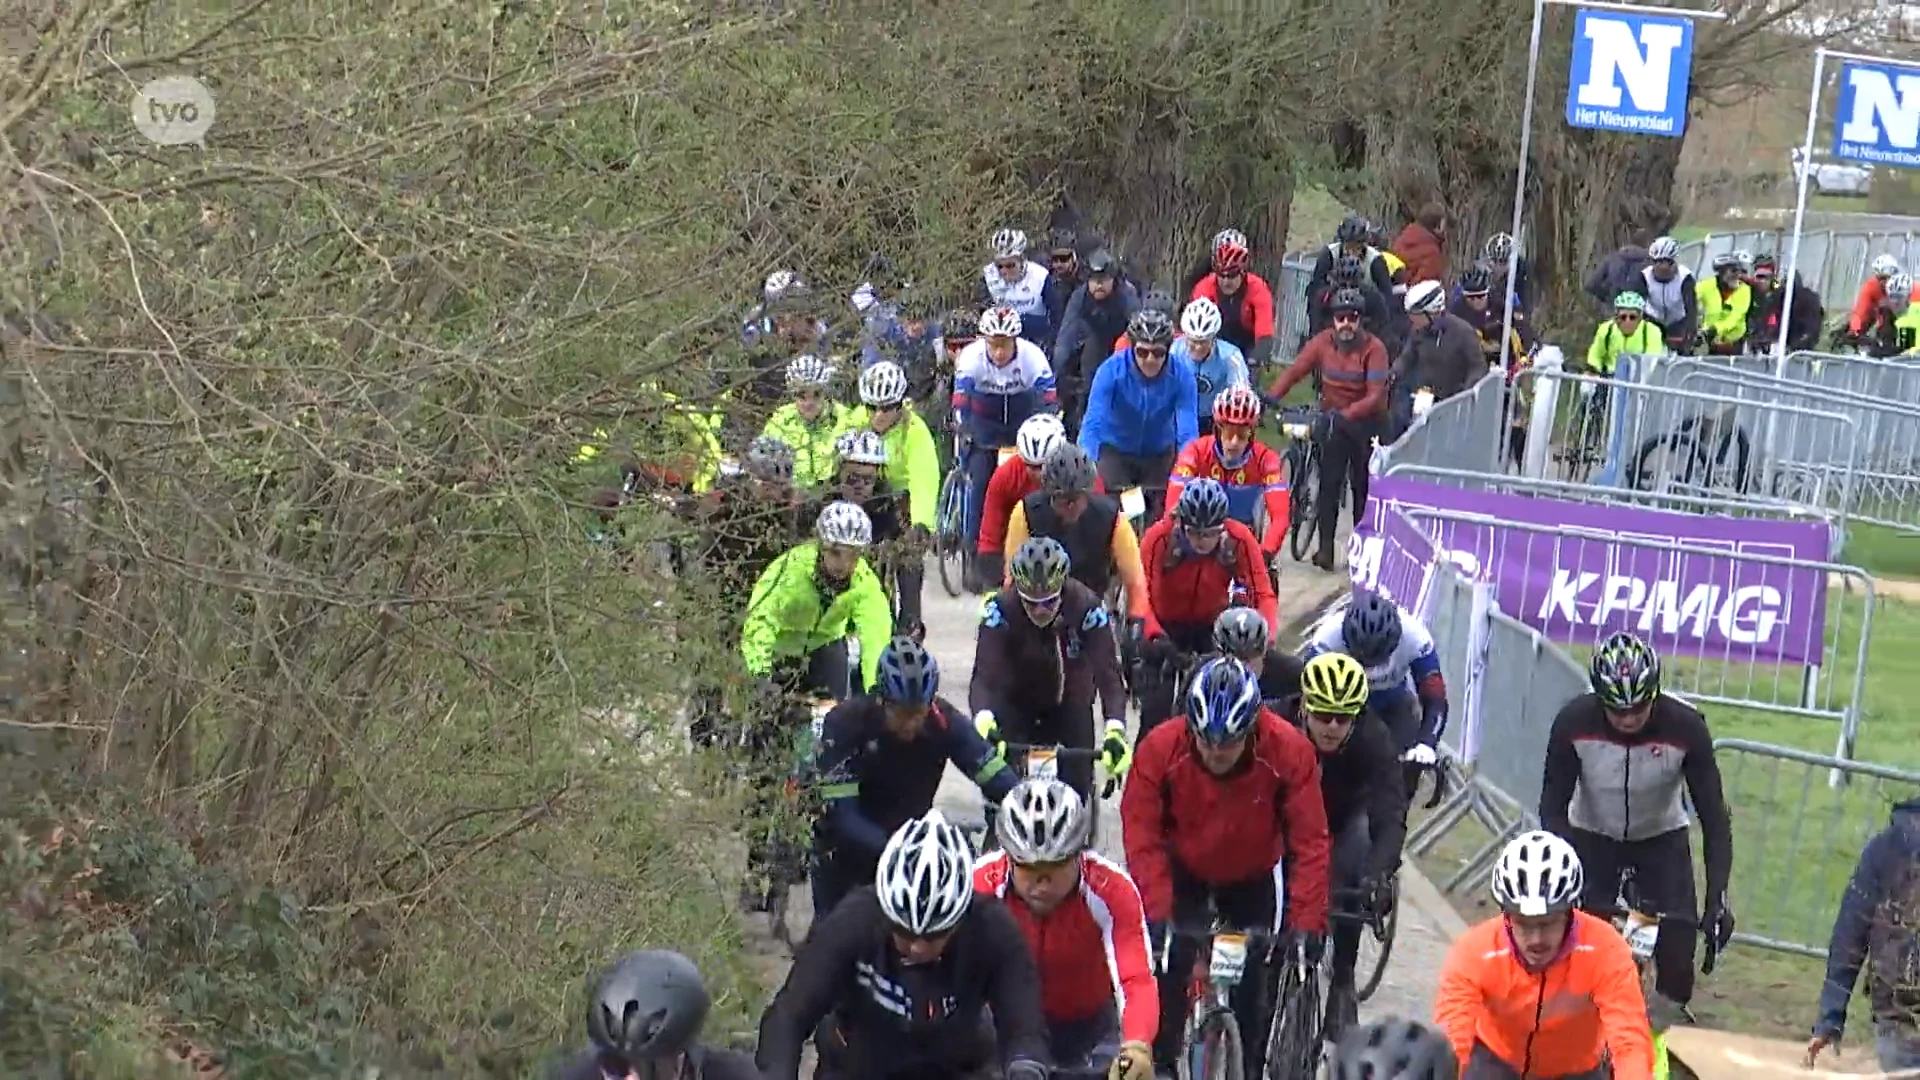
(861, 479)
(1331, 719)
(809, 395)
(1062, 257)
(1626, 316)
(1346, 318)
(1150, 351)
(1041, 603)
(1230, 275)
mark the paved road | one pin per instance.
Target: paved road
(1423, 935)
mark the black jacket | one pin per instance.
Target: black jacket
(1617, 273)
(1763, 319)
(898, 1019)
(1364, 776)
(1019, 667)
(886, 508)
(1377, 316)
(1376, 267)
(1087, 319)
(1876, 923)
(872, 782)
(1444, 358)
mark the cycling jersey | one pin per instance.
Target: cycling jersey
(1246, 318)
(1017, 665)
(1414, 668)
(1013, 481)
(1091, 949)
(814, 457)
(872, 782)
(1025, 294)
(1257, 480)
(1723, 313)
(993, 401)
(1100, 543)
(1551, 1023)
(913, 463)
(1603, 354)
(790, 615)
(1223, 367)
(891, 1018)
(1225, 830)
(1867, 304)
(1189, 589)
(705, 1063)
(1140, 416)
(1674, 304)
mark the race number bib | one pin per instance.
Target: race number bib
(1229, 958)
(1133, 502)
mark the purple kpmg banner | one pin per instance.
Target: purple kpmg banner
(1712, 600)
(1395, 558)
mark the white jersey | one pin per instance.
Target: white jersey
(1026, 295)
(974, 373)
(1412, 658)
(1667, 300)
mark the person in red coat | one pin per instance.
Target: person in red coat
(1013, 480)
(1422, 245)
(1212, 806)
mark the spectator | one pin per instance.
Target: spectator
(1423, 244)
(1620, 271)
(1442, 353)
(1877, 918)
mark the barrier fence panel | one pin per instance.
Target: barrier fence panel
(1290, 307)
(1832, 263)
(1463, 431)
(1891, 379)
(1796, 840)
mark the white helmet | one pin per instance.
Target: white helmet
(1000, 321)
(1664, 249)
(1009, 244)
(925, 880)
(1538, 873)
(1039, 435)
(808, 371)
(844, 524)
(1042, 821)
(861, 447)
(1885, 266)
(1743, 258)
(1201, 319)
(883, 385)
(779, 284)
(1900, 287)
(1427, 298)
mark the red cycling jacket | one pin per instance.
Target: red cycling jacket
(1258, 478)
(1011, 482)
(1091, 950)
(1188, 588)
(1223, 830)
(1256, 303)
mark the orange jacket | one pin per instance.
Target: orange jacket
(1424, 253)
(1554, 1023)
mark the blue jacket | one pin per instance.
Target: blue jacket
(872, 782)
(1138, 416)
(1222, 368)
(1871, 926)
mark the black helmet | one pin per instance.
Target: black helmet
(1476, 281)
(1100, 264)
(960, 325)
(1371, 628)
(1348, 269)
(649, 1005)
(1348, 300)
(1061, 239)
(1394, 1049)
(1150, 326)
(1157, 299)
(1067, 471)
(1352, 231)
(1625, 672)
(1040, 568)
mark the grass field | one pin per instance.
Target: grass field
(1883, 552)
(1795, 838)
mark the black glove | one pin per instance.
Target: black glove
(1158, 650)
(1719, 928)
(1380, 896)
(1313, 946)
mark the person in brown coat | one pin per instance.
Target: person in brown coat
(1423, 245)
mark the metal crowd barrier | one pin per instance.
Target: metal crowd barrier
(1892, 379)
(1290, 306)
(1461, 432)
(1832, 262)
(1796, 839)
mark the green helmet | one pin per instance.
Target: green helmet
(1630, 301)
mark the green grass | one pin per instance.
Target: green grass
(1882, 552)
(1790, 866)
(1315, 215)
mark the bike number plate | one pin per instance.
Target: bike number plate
(1006, 454)
(1043, 764)
(1133, 501)
(1641, 932)
(1297, 431)
(1229, 958)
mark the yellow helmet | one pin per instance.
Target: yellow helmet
(1334, 683)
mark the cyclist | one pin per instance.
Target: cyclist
(1096, 314)
(1242, 633)
(879, 762)
(809, 600)
(1377, 312)
(810, 422)
(644, 1019)
(1215, 802)
(1082, 919)
(1619, 761)
(1140, 411)
(1496, 252)
(1494, 1001)
(1098, 538)
(1895, 333)
(894, 981)
(1015, 479)
(1352, 367)
(1064, 276)
(1217, 365)
(1366, 802)
(1252, 472)
(1671, 294)
(1394, 1049)
(1197, 559)
(781, 320)
(1769, 300)
(861, 479)
(1628, 332)
(1244, 300)
(1014, 281)
(1044, 650)
(1352, 238)
(1407, 691)
(1872, 297)
(1474, 307)
(1442, 352)
(912, 466)
(999, 381)
(1724, 300)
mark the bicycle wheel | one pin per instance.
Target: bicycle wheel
(1214, 1052)
(949, 541)
(1375, 947)
(1304, 493)
(1293, 1046)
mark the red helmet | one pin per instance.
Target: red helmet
(1229, 256)
(1236, 405)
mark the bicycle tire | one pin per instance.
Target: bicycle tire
(1302, 494)
(950, 541)
(1227, 1061)
(1293, 1044)
(1364, 988)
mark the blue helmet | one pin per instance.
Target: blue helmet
(908, 673)
(1223, 701)
(1203, 504)
(1371, 628)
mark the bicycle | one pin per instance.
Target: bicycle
(950, 521)
(1303, 477)
(1376, 944)
(1294, 1043)
(787, 862)
(1211, 1044)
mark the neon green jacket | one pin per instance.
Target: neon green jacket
(1908, 323)
(786, 617)
(913, 464)
(1608, 343)
(1725, 317)
(813, 459)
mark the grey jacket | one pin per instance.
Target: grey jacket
(1444, 358)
